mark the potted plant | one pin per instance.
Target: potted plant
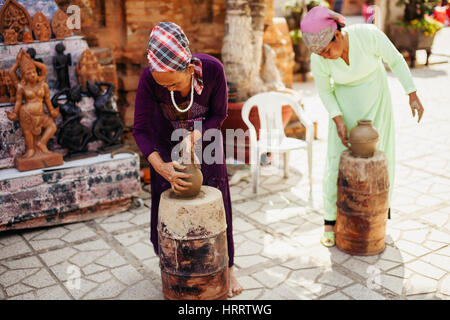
(295, 11)
(417, 29)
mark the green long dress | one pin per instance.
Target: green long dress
(359, 91)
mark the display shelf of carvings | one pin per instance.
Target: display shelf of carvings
(12, 143)
(13, 16)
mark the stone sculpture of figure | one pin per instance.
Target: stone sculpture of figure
(88, 69)
(59, 25)
(32, 53)
(27, 36)
(10, 37)
(41, 27)
(61, 63)
(108, 127)
(3, 88)
(72, 134)
(14, 16)
(32, 93)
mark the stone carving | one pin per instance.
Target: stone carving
(108, 127)
(72, 134)
(37, 127)
(59, 25)
(61, 63)
(88, 69)
(41, 27)
(27, 36)
(7, 87)
(14, 16)
(10, 37)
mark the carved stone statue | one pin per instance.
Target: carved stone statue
(59, 25)
(41, 27)
(32, 53)
(88, 69)
(3, 88)
(61, 63)
(108, 127)
(10, 36)
(27, 36)
(7, 87)
(14, 16)
(36, 125)
(72, 134)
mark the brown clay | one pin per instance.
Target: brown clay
(36, 125)
(27, 36)
(362, 204)
(88, 69)
(59, 25)
(14, 16)
(363, 139)
(41, 27)
(10, 37)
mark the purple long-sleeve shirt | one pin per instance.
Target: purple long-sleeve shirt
(155, 119)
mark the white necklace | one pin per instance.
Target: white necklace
(190, 104)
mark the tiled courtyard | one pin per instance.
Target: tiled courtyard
(278, 254)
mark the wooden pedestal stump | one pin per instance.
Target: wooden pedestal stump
(193, 246)
(362, 204)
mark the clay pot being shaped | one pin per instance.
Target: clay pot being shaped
(363, 139)
(196, 179)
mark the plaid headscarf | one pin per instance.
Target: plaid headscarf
(168, 51)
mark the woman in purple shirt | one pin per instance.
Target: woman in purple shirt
(181, 91)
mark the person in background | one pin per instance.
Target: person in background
(348, 70)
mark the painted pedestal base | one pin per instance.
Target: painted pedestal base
(76, 191)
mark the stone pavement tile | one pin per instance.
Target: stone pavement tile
(437, 260)
(108, 290)
(249, 261)
(41, 279)
(444, 251)
(78, 287)
(55, 292)
(417, 236)
(336, 296)
(333, 278)
(434, 165)
(302, 262)
(143, 290)
(407, 225)
(360, 292)
(445, 285)
(17, 289)
(12, 245)
(438, 218)
(411, 248)
(360, 267)
(425, 269)
(433, 245)
(337, 256)
(248, 283)
(248, 294)
(275, 247)
(13, 277)
(394, 254)
(305, 277)
(127, 275)
(240, 225)
(247, 207)
(391, 283)
(117, 222)
(45, 238)
(418, 284)
(385, 264)
(138, 243)
(439, 236)
(248, 248)
(152, 265)
(272, 277)
(400, 272)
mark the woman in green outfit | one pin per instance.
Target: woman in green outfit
(348, 70)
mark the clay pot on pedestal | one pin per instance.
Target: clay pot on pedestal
(363, 139)
(196, 179)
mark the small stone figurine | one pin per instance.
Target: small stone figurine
(108, 127)
(36, 125)
(61, 63)
(72, 134)
(32, 53)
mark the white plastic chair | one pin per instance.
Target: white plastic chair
(272, 137)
